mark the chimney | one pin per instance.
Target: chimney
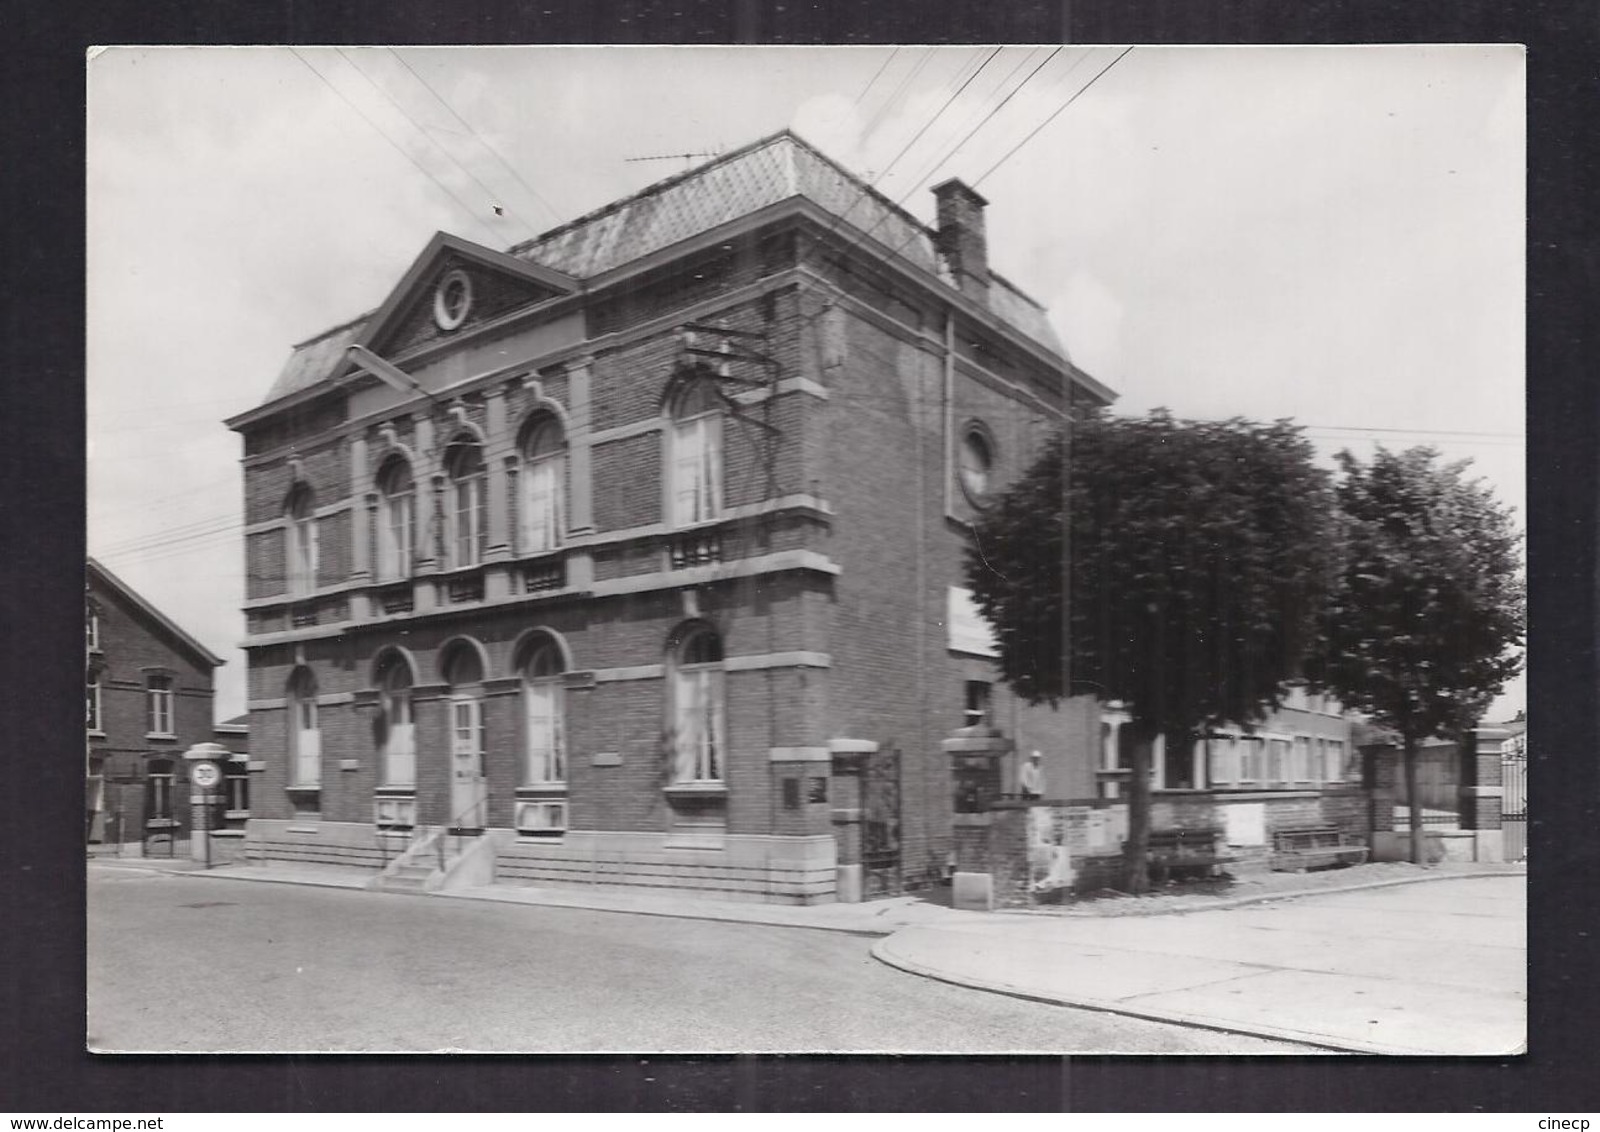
(960, 238)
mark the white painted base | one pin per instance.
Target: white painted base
(847, 884)
(972, 892)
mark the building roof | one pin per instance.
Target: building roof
(98, 573)
(764, 173)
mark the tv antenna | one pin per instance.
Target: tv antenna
(684, 157)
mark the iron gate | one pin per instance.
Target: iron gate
(1514, 805)
(880, 825)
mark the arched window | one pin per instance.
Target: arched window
(397, 520)
(544, 487)
(975, 463)
(466, 508)
(694, 454)
(300, 541)
(305, 740)
(397, 760)
(699, 729)
(544, 706)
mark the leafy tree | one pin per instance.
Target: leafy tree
(1425, 623)
(1200, 555)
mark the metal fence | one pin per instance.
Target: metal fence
(1514, 806)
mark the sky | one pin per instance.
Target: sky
(1329, 234)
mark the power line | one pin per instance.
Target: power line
(881, 68)
(537, 195)
(1053, 116)
(428, 137)
(465, 207)
(883, 110)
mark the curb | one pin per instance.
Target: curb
(704, 917)
(1266, 897)
(882, 952)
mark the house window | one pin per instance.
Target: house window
(397, 520)
(975, 464)
(158, 705)
(92, 701)
(1222, 759)
(158, 793)
(1253, 764)
(300, 542)
(699, 728)
(1277, 761)
(91, 629)
(1334, 761)
(1300, 760)
(694, 469)
(466, 512)
(305, 740)
(236, 788)
(397, 758)
(463, 671)
(978, 697)
(545, 757)
(544, 487)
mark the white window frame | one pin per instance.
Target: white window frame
(397, 762)
(161, 786)
(700, 748)
(92, 716)
(305, 737)
(160, 706)
(544, 761)
(465, 509)
(397, 527)
(544, 817)
(1333, 761)
(544, 489)
(301, 549)
(694, 468)
(92, 631)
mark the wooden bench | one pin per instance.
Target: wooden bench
(1176, 851)
(1296, 850)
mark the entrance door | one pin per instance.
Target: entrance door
(469, 788)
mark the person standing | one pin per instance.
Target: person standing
(1030, 779)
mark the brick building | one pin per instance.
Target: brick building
(632, 554)
(149, 698)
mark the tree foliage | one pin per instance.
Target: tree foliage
(1200, 556)
(1426, 621)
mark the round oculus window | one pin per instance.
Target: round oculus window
(975, 462)
(452, 298)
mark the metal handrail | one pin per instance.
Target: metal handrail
(451, 830)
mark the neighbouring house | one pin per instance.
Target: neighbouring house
(149, 698)
(632, 554)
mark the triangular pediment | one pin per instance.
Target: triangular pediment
(453, 287)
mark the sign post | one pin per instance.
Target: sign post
(205, 777)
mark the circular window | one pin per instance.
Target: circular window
(976, 460)
(452, 299)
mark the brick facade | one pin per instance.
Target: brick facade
(131, 645)
(827, 576)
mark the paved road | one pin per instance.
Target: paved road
(308, 969)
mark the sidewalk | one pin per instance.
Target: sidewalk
(1437, 968)
(1360, 960)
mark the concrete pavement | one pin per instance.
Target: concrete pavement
(1435, 968)
(1413, 968)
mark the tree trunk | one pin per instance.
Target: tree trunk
(1413, 800)
(1136, 853)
